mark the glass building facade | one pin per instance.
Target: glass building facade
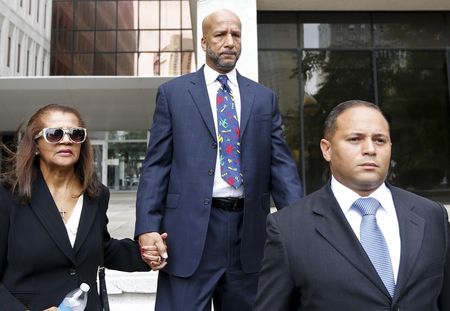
(400, 61)
(121, 37)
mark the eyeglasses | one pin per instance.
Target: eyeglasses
(52, 135)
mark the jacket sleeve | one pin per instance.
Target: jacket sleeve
(120, 254)
(444, 297)
(155, 171)
(285, 182)
(7, 300)
(276, 289)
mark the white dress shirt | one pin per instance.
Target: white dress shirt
(221, 188)
(74, 220)
(386, 217)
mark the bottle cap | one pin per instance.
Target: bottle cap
(84, 287)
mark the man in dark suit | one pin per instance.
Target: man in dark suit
(215, 156)
(358, 243)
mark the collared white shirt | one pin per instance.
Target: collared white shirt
(386, 217)
(221, 188)
(74, 220)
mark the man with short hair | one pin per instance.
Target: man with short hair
(215, 156)
(358, 243)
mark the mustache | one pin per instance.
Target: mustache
(229, 53)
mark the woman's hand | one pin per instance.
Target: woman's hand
(155, 253)
(51, 309)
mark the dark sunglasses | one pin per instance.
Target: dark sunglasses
(52, 135)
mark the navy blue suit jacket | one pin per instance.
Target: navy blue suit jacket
(314, 261)
(176, 181)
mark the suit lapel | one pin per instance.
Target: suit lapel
(44, 207)
(199, 93)
(332, 225)
(88, 214)
(247, 99)
(412, 228)
(200, 96)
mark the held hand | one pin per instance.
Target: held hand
(154, 249)
(51, 309)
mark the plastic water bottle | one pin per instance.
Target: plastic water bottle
(75, 300)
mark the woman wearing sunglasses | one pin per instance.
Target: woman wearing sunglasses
(53, 233)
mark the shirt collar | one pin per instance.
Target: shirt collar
(346, 197)
(211, 76)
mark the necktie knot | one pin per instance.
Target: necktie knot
(367, 206)
(223, 79)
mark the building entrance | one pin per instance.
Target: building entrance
(124, 164)
(100, 159)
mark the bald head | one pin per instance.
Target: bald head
(219, 15)
(221, 40)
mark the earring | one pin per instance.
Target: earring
(36, 153)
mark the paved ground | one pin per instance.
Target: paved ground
(121, 214)
(127, 291)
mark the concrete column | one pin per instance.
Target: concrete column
(247, 64)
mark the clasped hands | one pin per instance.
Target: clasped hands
(154, 249)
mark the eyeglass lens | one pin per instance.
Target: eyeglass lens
(55, 135)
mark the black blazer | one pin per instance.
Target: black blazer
(314, 261)
(38, 265)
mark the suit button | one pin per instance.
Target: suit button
(210, 172)
(214, 145)
(206, 201)
(72, 271)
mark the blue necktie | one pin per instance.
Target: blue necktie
(373, 241)
(228, 135)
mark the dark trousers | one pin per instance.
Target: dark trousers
(219, 276)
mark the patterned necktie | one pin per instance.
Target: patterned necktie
(228, 135)
(373, 241)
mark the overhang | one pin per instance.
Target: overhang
(353, 5)
(105, 103)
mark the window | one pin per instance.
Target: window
(45, 15)
(28, 61)
(8, 55)
(413, 30)
(18, 58)
(399, 61)
(104, 64)
(276, 71)
(105, 41)
(413, 90)
(330, 77)
(43, 63)
(106, 17)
